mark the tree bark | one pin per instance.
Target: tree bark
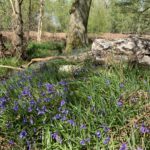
(77, 34)
(29, 20)
(40, 23)
(18, 40)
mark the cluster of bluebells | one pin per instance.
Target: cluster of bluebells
(30, 105)
(35, 104)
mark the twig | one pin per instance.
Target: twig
(10, 67)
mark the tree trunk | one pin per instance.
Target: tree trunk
(29, 21)
(77, 34)
(39, 34)
(18, 40)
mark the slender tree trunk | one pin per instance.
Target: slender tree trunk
(40, 24)
(77, 34)
(18, 40)
(29, 20)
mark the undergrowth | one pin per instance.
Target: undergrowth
(91, 108)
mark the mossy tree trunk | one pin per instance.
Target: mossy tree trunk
(18, 40)
(77, 34)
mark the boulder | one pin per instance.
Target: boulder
(132, 49)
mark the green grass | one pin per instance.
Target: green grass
(10, 61)
(45, 49)
(91, 98)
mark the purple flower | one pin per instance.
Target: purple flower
(32, 102)
(65, 111)
(106, 141)
(83, 126)
(2, 102)
(49, 87)
(29, 109)
(56, 137)
(42, 111)
(123, 146)
(24, 120)
(82, 142)
(28, 145)
(64, 83)
(71, 122)
(98, 134)
(57, 116)
(26, 92)
(63, 118)
(23, 134)
(119, 103)
(144, 129)
(62, 103)
(16, 107)
(11, 142)
(47, 100)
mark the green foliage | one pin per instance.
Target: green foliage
(44, 49)
(7, 61)
(75, 111)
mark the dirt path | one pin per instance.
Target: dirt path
(46, 36)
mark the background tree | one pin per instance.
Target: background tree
(18, 40)
(40, 23)
(77, 34)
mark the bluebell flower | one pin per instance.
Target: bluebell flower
(47, 100)
(32, 103)
(83, 142)
(16, 107)
(65, 111)
(123, 147)
(29, 109)
(56, 137)
(23, 134)
(50, 87)
(83, 126)
(71, 122)
(28, 145)
(119, 103)
(64, 83)
(57, 116)
(11, 142)
(62, 103)
(26, 92)
(144, 129)
(64, 118)
(106, 141)
(98, 134)
(2, 102)
(24, 120)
